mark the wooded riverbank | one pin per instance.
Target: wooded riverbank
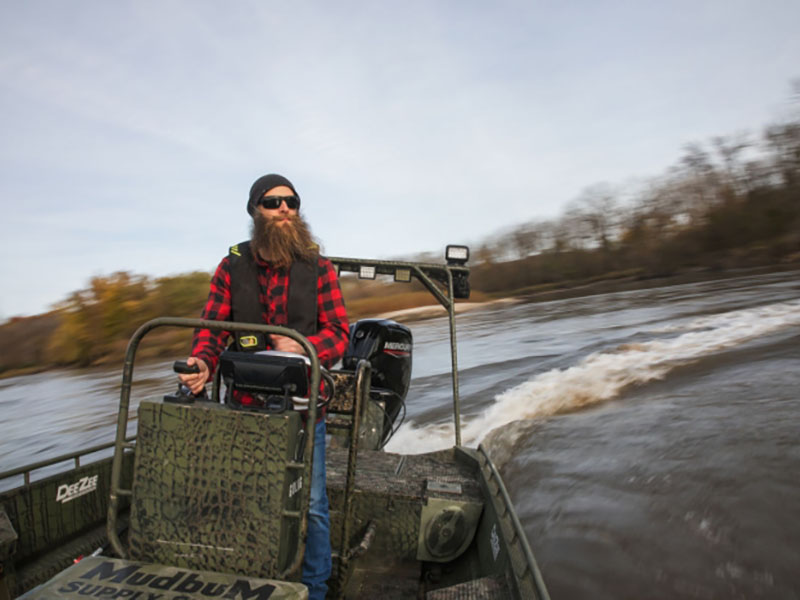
(716, 213)
(31, 336)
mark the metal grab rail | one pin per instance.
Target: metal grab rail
(363, 382)
(124, 404)
(26, 470)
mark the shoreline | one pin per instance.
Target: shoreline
(431, 311)
(627, 284)
(580, 289)
(560, 291)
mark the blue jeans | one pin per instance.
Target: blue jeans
(317, 558)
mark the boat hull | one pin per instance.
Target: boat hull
(400, 496)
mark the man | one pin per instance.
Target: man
(279, 278)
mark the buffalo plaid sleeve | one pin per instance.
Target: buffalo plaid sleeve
(333, 332)
(207, 344)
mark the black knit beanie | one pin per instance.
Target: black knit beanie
(265, 184)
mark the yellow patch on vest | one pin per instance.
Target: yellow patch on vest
(248, 341)
(235, 250)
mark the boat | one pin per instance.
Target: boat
(209, 499)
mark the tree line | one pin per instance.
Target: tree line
(93, 325)
(728, 203)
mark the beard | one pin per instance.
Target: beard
(281, 245)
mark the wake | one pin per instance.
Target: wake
(602, 376)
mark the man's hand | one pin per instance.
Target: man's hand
(195, 381)
(285, 344)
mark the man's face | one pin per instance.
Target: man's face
(283, 214)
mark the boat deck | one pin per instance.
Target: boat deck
(407, 487)
(404, 475)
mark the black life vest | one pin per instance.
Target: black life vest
(245, 305)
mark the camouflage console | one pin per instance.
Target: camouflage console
(425, 507)
(217, 489)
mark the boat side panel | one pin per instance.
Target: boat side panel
(66, 510)
(53, 509)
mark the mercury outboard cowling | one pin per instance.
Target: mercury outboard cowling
(388, 346)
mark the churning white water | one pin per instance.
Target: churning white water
(603, 375)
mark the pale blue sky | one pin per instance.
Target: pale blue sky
(131, 131)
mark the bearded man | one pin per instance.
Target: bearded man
(279, 278)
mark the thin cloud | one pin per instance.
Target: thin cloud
(405, 127)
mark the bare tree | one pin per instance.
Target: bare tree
(598, 211)
(783, 141)
(730, 149)
(526, 239)
(571, 230)
(699, 179)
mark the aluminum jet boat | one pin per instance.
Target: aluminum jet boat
(210, 498)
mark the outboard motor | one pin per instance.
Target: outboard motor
(387, 345)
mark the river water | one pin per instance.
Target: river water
(650, 440)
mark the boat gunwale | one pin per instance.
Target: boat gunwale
(27, 470)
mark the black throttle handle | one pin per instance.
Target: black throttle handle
(184, 394)
(184, 368)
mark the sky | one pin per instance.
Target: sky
(131, 131)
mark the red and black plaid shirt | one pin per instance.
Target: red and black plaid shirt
(332, 334)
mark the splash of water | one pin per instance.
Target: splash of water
(603, 375)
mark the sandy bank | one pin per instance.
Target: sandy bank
(436, 310)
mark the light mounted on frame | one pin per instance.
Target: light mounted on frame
(456, 255)
(366, 272)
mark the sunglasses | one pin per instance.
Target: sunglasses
(273, 202)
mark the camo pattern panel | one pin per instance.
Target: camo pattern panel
(340, 411)
(210, 485)
(49, 511)
(29, 574)
(344, 393)
(475, 589)
(391, 490)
